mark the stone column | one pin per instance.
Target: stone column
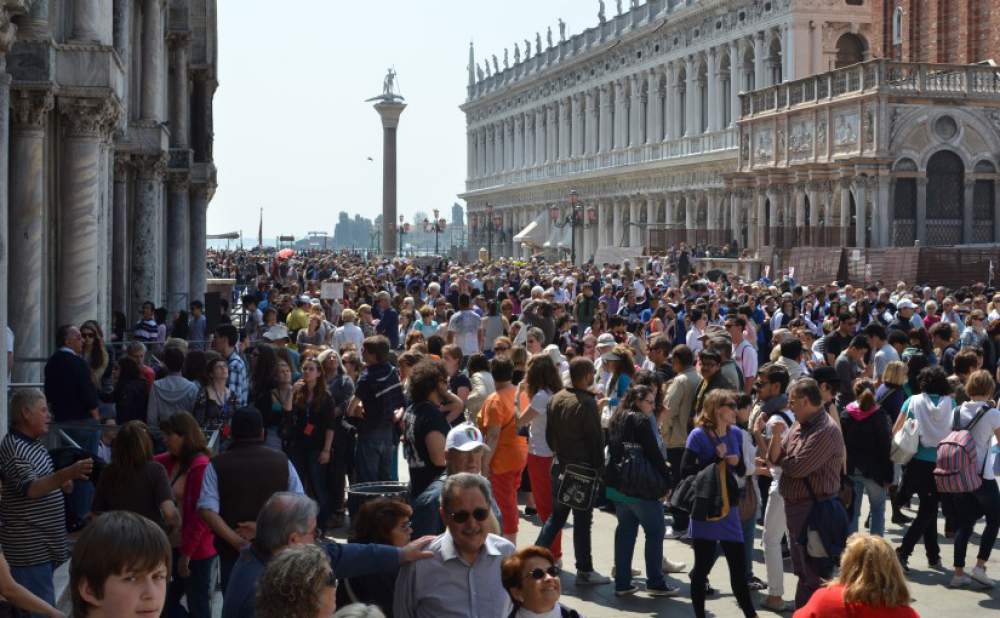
(845, 210)
(584, 250)
(36, 24)
(509, 144)
(761, 79)
(87, 21)
(967, 210)
(180, 95)
(389, 112)
(147, 223)
(120, 236)
(27, 238)
(565, 137)
(633, 220)
(529, 139)
(882, 213)
(153, 73)
(712, 218)
(787, 57)
(637, 122)
(606, 130)
(178, 243)
(861, 206)
(735, 210)
(654, 107)
(714, 104)
(651, 203)
(576, 147)
(82, 285)
(602, 223)
(616, 229)
(691, 111)
(200, 195)
(670, 104)
(735, 81)
(540, 132)
(518, 141)
(591, 139)
(621, 115)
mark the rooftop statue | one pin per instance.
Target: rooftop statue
(562, 30)
(601, 12)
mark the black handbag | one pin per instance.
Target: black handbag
(638, 478)
(578, 484)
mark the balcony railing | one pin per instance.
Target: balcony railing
(718, 141)
(877, 76)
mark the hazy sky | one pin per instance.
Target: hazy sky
(292, 131)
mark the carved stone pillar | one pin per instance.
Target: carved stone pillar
(27, 237)
(670, 105)
(845, 210)
(82, 283)
(36, 24)
(178, 243)
(147, 226)
(634, 230)
(565, 137)
(606, 130)
(714, 104)
(154, 78)
(576, 147)
(967, 210)
(120, 236)
(518, 141)
(881, 215)
(637, 122)
(692, 113)
(621, 115)
(551, 133)
(690, 220)
(180, 92)
(654, 107)
(590, 138)
(87, 21)
(651, 209)
(200, 195)
(540, 132)
(735, 81)
(617, 208)
(861, 208)
(761, 79)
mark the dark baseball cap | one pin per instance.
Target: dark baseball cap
(247, 424)
(826, 375)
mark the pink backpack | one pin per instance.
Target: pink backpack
(956, 472)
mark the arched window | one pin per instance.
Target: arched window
(850, 50)
(897, 26)
(945, 198)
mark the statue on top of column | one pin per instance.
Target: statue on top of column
(601, 13)
(496, 65)
(388, 85)
(527, 49)
(635, 4)
(538, 43)
(562, 30)
(549, 37)
(486, 63)
(517, 53)
(506, 58)
(619, 3)
(479, 71)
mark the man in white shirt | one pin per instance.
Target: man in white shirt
(466, 328)
(743, 353)
(349, 332)
(698, 321)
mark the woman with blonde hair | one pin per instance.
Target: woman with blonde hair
(870, 584)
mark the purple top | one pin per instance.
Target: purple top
(729, 527)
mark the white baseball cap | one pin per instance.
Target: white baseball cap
(465, 437)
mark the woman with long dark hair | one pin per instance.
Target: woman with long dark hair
(98, 357)
(185, 461)
(311, 434)
(631, 433)
(131, 392)
(215, 403)
(341, 389)
(385, 521)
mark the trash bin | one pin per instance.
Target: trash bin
(359, 493)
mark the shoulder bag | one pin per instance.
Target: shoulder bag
(578, 485)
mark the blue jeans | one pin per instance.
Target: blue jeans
(197, 588)
(749, 533)
(37, 579)
(582, 521)
(373, 460)
(318, 484)
(87, 434)
(648, 514)
(876, 502)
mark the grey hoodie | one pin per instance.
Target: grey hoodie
(169, 396)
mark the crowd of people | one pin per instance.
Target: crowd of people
(726, 414)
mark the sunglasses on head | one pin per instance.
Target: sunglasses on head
(540, 573)
(500, 348)
(460, 517)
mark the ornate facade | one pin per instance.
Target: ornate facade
(109, 158)
(638, 115)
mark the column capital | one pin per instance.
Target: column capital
(87, 117)
(31, 107)
(151, 166)
(179, 181)
(178, 39)
(123, 164)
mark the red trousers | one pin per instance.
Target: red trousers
(505, 487)
(539, 471)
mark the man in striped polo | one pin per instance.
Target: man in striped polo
(33, 535)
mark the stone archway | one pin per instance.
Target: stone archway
(851, 49)
(945, 198)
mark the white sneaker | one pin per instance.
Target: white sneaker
(673, 534)
(960, 581)
(591, 578)
(979, 574)
(669, 566)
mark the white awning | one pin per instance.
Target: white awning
(560, 238)
(533, 233)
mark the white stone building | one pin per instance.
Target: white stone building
(638, 116)
(109, 158)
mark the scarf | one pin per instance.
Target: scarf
(858, 414)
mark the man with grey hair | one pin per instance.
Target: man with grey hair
(289, 519)
(462, 577)
(34, 532)
(388, 319)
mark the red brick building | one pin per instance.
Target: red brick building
(940, 31)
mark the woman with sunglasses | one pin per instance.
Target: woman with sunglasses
(99, 361)
(714, 440)
(385, 521)
(531, 578)
(632, 424)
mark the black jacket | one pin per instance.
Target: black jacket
(632, 428)
(706, 487)
(70, 391)
(868, 443)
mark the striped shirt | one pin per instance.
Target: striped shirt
(813, 449)
(32, 530)
(239, 383)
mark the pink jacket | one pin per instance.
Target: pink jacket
(197, 540)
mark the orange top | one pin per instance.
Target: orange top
(511, 453)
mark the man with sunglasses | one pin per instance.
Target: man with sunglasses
(462, 577)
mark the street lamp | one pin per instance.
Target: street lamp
(489, 231)
(438, 226)
(404, 228)
(577, 216)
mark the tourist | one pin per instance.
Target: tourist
(424, 424)
(378, 394)
(215, 403)
(573, 432)
(811, 456)
(979, 417)
(71, 391)
(458, 381)
(866, 430)
(131, 393)
(98, 358)
(443, 586)
(198, 326)
(531, 577)
(120, 567)
(385, 521)
(675, 423)
(482, 383)
(507, 455)
(709, 368)
(341, 388)
(298, 583)
(310, 434)
(135, 482)
(33, 536)
(850, 366)
(185, 460)
(224, 342)
(147, 330)
(634, 424)
(870, 583)
(173, 393)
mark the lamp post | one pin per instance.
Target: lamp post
(438, 226)
(574, 218)
(489, 230)
(404, 228)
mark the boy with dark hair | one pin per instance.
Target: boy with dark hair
(378, 395)
(120, 567)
